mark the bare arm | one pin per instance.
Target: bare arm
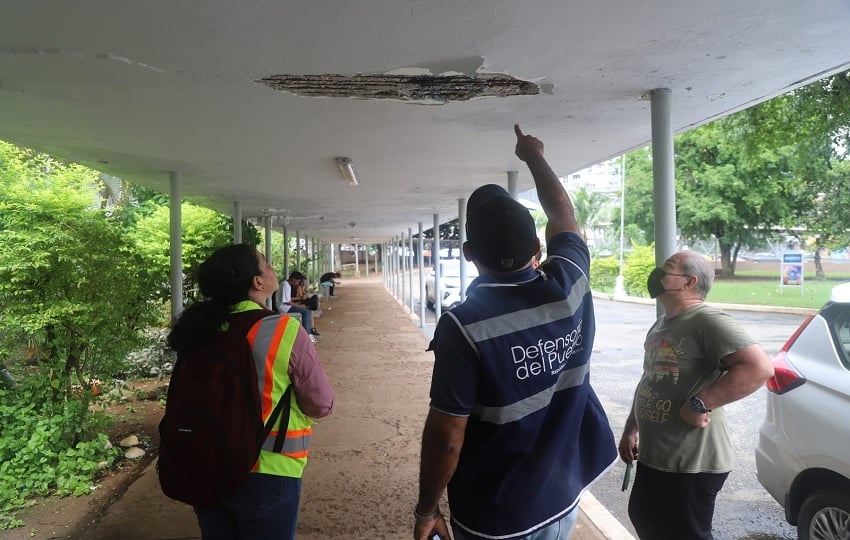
(628, 446)
(749, 368)
(441, 444)
(553, 197)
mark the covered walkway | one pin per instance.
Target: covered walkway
(362, 478)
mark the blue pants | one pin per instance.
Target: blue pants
(560, 530)
(306, 316)
(264, 508)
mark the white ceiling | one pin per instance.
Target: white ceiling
(137, 89)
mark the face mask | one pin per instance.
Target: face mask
(653, 283)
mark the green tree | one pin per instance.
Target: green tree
(69, 282)
(203, 231)
(588, 207)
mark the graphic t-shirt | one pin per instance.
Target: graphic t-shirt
(683, 355)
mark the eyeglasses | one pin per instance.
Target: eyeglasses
(680, 275)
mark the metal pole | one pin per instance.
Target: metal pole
(298, 250)
(619, 285)
(285, 253)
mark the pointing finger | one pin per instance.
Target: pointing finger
(517, 131)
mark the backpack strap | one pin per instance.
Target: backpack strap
(282, 405)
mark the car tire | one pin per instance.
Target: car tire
(825, 515)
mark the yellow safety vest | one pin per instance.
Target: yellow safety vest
(271, 340)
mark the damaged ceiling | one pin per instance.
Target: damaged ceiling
(253, 101)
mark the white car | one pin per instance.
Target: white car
(803, 455)
(449, 283)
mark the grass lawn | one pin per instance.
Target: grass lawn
(762, 288)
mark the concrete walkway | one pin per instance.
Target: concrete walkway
(361, 481)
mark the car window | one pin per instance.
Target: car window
(453, 270)
(838, 316)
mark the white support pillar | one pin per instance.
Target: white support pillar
(461, 225)
(356, 261)
(513, 184)
(237, 222)
(285, 253)
(267, 223)
(298, 250)
(664, 188)
(176, 242)
(435, 263)
(366, 256)
(410, 266)
(421, 277)
(663, 183)
(403, 267)
(333, 257)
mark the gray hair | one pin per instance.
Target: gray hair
(694, 264)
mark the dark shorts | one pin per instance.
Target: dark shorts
(673, 506)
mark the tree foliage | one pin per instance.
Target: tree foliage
(69, 280)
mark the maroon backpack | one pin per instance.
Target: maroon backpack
(212, 431)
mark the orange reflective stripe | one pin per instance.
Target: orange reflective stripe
(294, 433)
(298, 455)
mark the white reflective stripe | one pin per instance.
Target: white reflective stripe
(290, 445)
(529, 318)
(262, 344)
(568, 378)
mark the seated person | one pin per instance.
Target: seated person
(329, 280)
(287, 302)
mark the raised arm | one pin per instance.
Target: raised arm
(553, 197)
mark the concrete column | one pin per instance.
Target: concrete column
(176, 242)
(366, 256)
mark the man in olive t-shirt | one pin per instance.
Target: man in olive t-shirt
(696, 359)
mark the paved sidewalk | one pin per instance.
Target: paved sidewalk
(361, 481)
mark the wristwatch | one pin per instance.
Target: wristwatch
(698, 405)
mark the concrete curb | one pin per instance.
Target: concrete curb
(729, 307)
(598, 517)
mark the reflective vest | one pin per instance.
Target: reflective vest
(271, 340)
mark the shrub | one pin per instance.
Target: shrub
(639, 264)
(47, 447)
(603, 273)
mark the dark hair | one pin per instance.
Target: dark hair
(224, 279)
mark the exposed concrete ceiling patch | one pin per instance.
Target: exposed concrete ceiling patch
(417, 88)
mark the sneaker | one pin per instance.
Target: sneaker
(315, 332)
(313, 340)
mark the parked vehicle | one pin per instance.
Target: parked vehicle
(449, 283)
(803, 455)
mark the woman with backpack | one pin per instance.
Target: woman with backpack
(240, 367)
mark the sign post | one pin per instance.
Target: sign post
(791, 271)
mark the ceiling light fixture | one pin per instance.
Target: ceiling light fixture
(346, 169)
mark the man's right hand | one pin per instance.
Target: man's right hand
(527, 146)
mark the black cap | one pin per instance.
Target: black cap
(500, 230)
